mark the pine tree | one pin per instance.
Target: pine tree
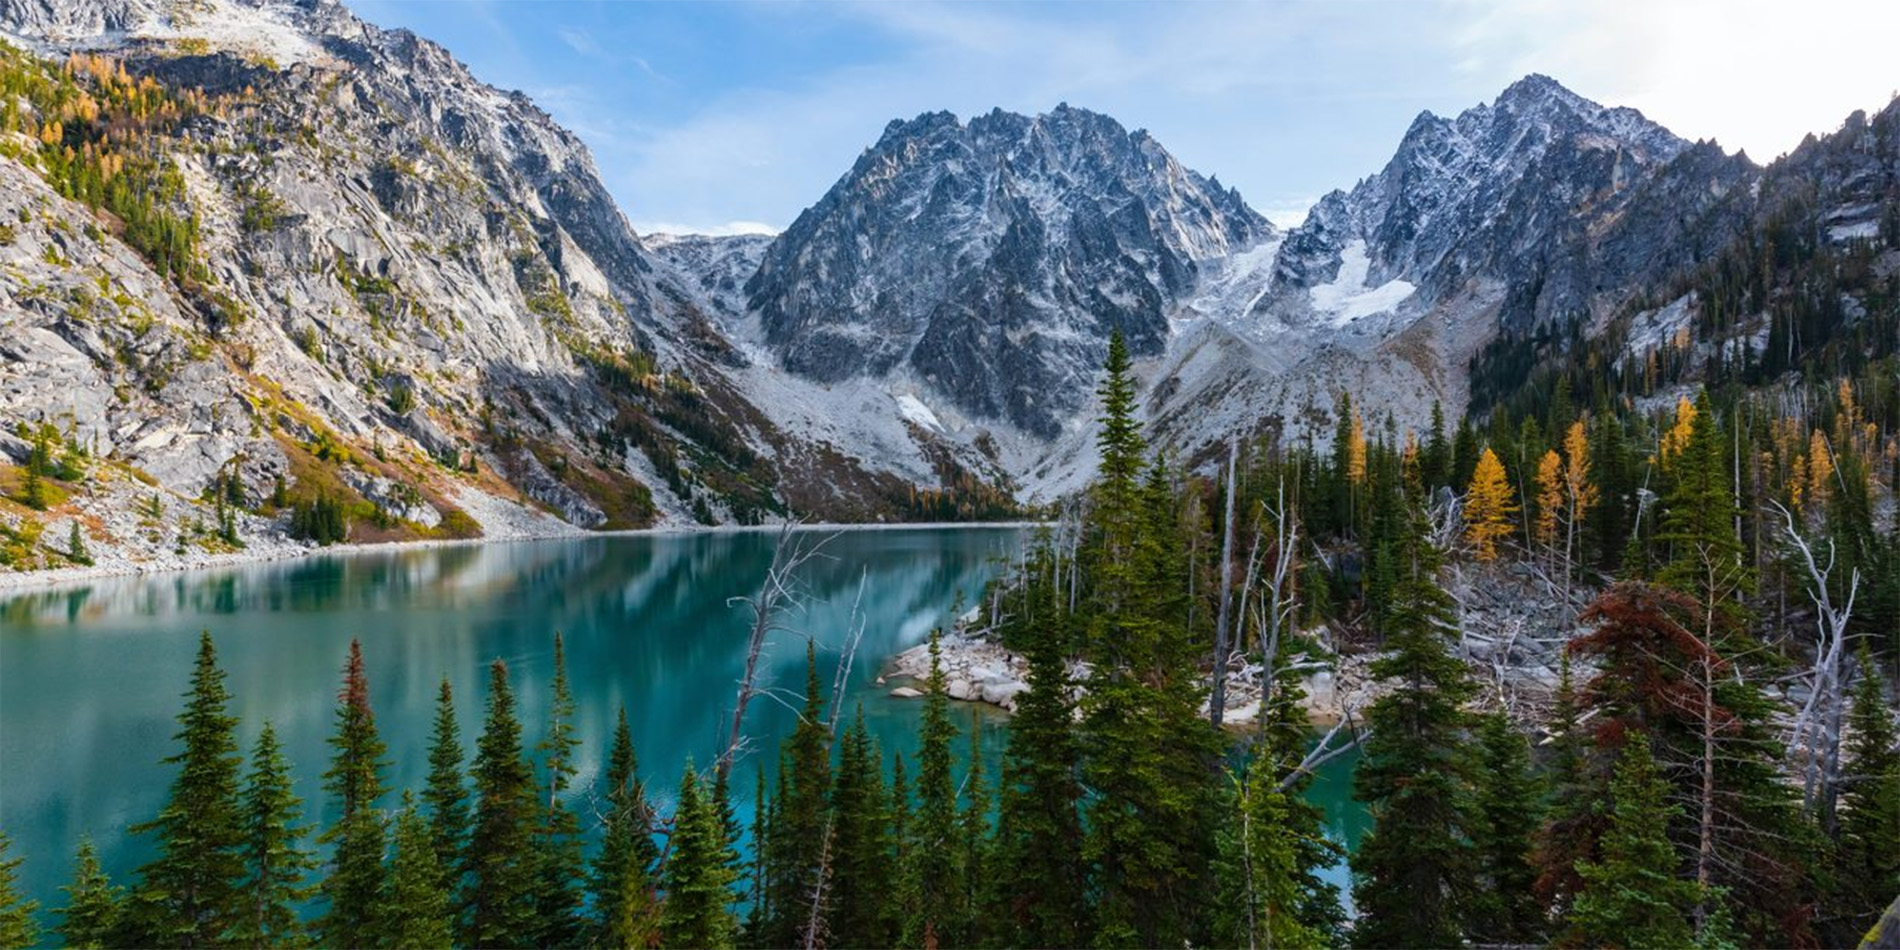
(354, 888)
(935, 871)
(1870, 805)
(276, 869)
(17, 926)
(974, 839)
(1412, 873)
(799, 820)
(1039, 872)
(1634, 896)
(189, 895)
(498, 900)
(623, 886)
(1488, 507)
(1435, 461)
(1574, 824)
(698, 875)
(91, 915)
(1259, 873)
(1509, 812)
(1148, 755)
(417, 910)
(859, 908)
(1706, 557)
(446, 793)
(76, 545)
(559, 861)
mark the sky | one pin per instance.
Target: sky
(721, 116)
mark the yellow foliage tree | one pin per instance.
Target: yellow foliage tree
(1550, 501)
(1579, 494)
(1356, 451)
(1488, 507)
(1678, 434)
(1820, 470)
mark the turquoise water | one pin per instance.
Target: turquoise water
(91, 676)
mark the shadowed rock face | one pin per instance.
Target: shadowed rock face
(993, 259)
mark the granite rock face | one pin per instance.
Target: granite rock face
(992, 259)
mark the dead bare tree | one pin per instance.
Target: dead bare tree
(1816, 736)
(815, 924)
(1217, 703)
(778, 593)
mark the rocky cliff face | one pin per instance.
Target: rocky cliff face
(366, 274)
(991, 259)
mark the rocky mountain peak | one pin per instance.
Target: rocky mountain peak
(991, 259)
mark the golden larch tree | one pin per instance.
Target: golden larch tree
(1488, 507)
(1550, 502)
(1580, 495)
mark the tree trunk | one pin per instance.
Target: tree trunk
(1217, 703)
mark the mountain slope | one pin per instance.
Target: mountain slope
(990, 260)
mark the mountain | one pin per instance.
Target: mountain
(1540, 208)
(263, 252)
(990, 260)
(269, 243)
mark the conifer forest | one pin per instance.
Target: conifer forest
(1715, 765)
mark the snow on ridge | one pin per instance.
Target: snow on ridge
(1347, 298)
(914, 409)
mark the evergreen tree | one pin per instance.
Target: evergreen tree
(1569, 835)
(354, 888)
(974, 834)
(624, 890)
(90, 918)
(1435, 461)
(17, 926)
(76, 545)
(275, 867)
(446, 793)
(1634, 896)
(936, 869)
(858, 899)
(1706, 557)
(417, 911)
(1412, 874)
(799, 818)
(189, 895)
(1040, 879)
(1506, 909)
(1149, 755)
(499, 896)
(1261, 892)
(558, 856)
(1870, 806)
(698, 875)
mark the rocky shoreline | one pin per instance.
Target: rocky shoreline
(979, 670)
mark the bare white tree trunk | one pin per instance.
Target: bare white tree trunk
(1217, 703)
(1816, 736)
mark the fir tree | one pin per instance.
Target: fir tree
(446, 793)
(799, 818)
(91, 915)
(1870, 805)
(1698, 523)
(354, 888)
(1574, 824)
(1148, 757)
(559, 860)
(974, 833)
(935, 871)
(1413, 871)
(1508, 810)
(499, 899)
(1040, 878)
(76, 545)
(417, 910)
(189, 895)
(1634, 896)
(1261, 887)
(698, 875)
(858, 906)
(17, 926)
(275, 867)
(622, 883)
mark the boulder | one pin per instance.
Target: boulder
(906, 692)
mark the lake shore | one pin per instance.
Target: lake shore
(280, 549)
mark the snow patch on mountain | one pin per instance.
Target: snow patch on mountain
(1346, 297)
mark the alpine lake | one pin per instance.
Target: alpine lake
(92, 675)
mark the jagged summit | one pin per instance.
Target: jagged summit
(991, 258)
